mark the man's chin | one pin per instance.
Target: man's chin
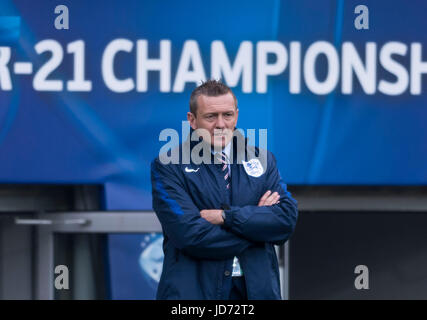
(219, 143)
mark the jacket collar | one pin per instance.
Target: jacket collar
(238, 148)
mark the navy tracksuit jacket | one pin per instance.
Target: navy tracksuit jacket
(199, 255)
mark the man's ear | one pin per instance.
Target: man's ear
(192, 119)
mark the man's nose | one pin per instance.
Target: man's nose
(220, 122)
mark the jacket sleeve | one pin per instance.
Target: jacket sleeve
(266, 223)
(182, 223)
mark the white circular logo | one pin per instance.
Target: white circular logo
(253, 167)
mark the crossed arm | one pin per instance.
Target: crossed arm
(203, 234)
(273, 219)
(214, 216)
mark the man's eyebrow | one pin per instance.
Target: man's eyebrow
(216, 113)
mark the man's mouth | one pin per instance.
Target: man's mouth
(220, 134)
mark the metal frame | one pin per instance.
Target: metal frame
(83, 222)
(16, 259)
(285, 277)
(146, 221)
(322, 198)
(98, 222)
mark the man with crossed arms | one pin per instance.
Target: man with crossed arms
(221, 219)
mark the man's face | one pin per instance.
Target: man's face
(218, 116)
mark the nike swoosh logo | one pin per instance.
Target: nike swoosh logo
(191, 170)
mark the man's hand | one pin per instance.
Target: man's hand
(213, 216)
(268, 199)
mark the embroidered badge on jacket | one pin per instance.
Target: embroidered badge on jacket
(253, 167)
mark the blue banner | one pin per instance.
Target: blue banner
(87, 104)
(136, 262)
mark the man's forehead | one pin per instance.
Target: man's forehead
(225, 101)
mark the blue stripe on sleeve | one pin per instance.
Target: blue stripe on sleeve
(174, 206)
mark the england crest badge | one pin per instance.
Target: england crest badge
(253, 167)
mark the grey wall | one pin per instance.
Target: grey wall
(18, 242)
(16, 259)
